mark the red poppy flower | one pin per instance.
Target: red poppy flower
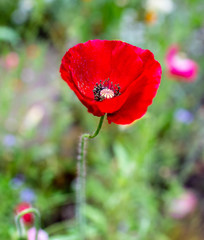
(28, 218)
(112, 77)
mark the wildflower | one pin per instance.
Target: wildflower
(17, 181)
(12, 60)
(131, 30)
(183, 116)
(179, 66)
(27, 218)
(42, 235)
(150, 17)
(112, 77)
(183, 205)
(162, 6)
(21, 14)
(9, 140)
(33, 117)
(27, 195)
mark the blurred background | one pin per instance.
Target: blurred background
(144, 181)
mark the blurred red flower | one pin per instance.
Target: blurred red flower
(27, 218)
(112, 77)
(179, 66)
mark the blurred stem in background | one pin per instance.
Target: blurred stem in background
(81, 180)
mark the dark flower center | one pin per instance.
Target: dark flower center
(105, 90)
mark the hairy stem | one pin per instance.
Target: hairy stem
(19, 224)
(81, 179)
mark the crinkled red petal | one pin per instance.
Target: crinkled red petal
(141, 93)
(88, 63)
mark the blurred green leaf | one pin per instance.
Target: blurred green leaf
(9, 35)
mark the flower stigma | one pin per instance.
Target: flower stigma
(107, 93)
(105, 90)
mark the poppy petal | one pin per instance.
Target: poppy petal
(145, 89)
(89, 63)
(126, 64)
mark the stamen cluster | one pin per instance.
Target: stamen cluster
(114, 90)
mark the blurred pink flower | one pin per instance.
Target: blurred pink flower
(11, 60)
(183, 205)
(179, 66)
(42, 235)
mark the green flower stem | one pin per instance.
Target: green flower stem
(81, 177)
(19, 223)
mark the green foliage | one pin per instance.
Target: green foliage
(8, 199)
(133, 173)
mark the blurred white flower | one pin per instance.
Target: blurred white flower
(19, 17)
(131, 30)
(183, 205)
(21, 14)
(163, 6)
(33, 117)
(42, 235)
